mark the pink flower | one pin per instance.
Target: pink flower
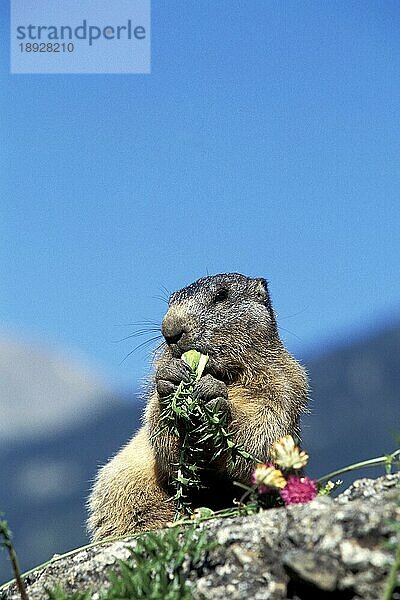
(299, 490)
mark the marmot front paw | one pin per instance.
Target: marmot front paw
(208, 388)
(169, 376)
(212, 391)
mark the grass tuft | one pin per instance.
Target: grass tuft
(157, 568)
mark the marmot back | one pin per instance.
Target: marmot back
(256, 381)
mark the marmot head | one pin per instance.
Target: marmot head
(227, 316)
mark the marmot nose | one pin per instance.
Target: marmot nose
(173, 339)
(172, 329)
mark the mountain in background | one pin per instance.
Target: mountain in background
(355, 407)
(59, 424)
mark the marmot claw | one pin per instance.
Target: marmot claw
(169, 376)
(208, 388)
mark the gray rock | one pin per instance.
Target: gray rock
(329, 548)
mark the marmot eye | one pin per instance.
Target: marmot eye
(220, 296)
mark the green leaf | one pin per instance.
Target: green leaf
(192, 358)
(196, 361)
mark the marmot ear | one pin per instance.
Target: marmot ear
(262, 288)
(263, 293)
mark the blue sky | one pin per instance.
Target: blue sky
(266, 140)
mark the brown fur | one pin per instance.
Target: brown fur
(266, 393)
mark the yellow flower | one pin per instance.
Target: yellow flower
(267, 476)
(287, 455)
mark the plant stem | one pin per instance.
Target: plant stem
(5, 532)
(17, 573)
(381, 460)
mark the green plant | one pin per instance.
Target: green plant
(387, 460)
(195, 423)
(6, 542)
(155, 568)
